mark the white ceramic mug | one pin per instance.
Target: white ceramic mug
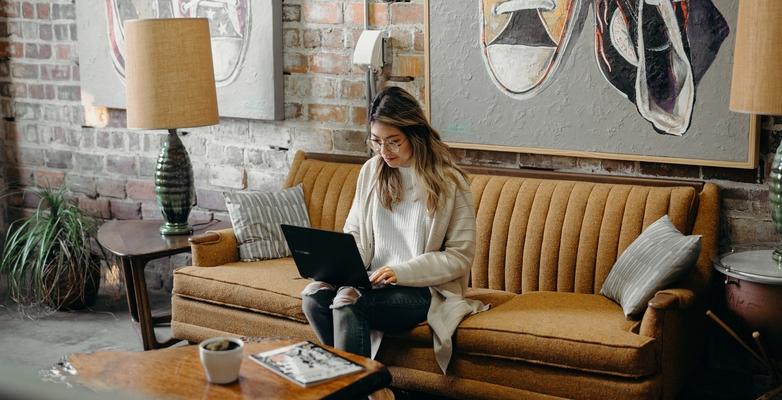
(221, 366)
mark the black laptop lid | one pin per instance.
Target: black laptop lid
(326, 256)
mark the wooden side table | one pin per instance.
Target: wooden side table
(135, 243)
(753, 293)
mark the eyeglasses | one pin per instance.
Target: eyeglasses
(392, 146)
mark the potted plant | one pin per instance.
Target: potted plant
(48, 259)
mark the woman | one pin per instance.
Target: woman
(414, 224)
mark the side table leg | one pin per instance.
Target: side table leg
(130, 293)
(145, 320)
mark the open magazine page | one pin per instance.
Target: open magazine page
(306, 363)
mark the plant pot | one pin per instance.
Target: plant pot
(75, 291)
(221, 366)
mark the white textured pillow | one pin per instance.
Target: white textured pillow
(657, 258)
(256, 219)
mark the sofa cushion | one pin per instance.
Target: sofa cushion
(268, 287)
(655, 260)
(572, 330)
(256, 218)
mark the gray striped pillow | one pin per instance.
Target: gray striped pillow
(657, 258)
(256, 218)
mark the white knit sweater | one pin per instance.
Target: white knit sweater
(400, 233)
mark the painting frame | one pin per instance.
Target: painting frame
(750, 161)
(246, 39)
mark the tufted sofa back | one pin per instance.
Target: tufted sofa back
(537, 234)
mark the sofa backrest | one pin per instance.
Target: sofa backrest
(539, 233)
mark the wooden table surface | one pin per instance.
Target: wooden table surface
(177, 373)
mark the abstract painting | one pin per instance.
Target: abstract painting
(246, 50)
(623, 79)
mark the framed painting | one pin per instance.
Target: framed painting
(612, 79)
(246, 50)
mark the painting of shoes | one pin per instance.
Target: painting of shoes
(524, 41)
(644, 49)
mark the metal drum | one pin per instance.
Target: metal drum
(753, 293)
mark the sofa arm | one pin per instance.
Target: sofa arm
(214, 248)
(667, 300)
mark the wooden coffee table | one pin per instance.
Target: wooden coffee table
(177, 373)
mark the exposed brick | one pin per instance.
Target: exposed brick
(111, 187)
(43, 10)
(735, 198)
(408, 65)
(311, 38)
(324, 87)
(9, 9)
(731, 174)
(91, 163)
(295, 62)
(103, 139)
(309, 139)
(38, 51)
(150, 210)
(332, 38)
(378, 14)
(322, 13)
(328, 113)
(264, 180)
(22, 176)
(670, 170)
(146, 167)
(293, 111)
(400, 39)
(210, 199)
(133, 141)
(298, 85)
(61, 32)
(45, 178)
(63, 11)
(69, 93)
(330, 63)
(13, 50)
(59, 159)
(82, 184)
(28, 10)
(121, 165)
(12, 89)
(123, 209)
(266, 134)
(358, 115)
(291, 37)
(24, 71)
(350, 140)
(140, 189)
(490, 158)
(233, 155)
(407, 13)
(45, 32)
(419, 41)
(98, 208)
(353, 90)
(41, 92)
(63, 51)
(291, 12)
(229, 177)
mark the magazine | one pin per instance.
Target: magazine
(306, 363)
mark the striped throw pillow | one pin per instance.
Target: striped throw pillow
(256, 219)
(657, 258)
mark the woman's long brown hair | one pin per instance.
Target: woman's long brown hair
(433, 162)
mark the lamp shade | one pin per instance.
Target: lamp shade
(169, 73)
(757, 61)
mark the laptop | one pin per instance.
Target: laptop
(326, 256)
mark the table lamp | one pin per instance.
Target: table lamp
(170, 85)
(757, 80)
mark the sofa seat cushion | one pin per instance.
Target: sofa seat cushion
(571, 330)
(270, 287)
(423, 334)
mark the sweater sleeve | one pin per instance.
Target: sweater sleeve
(455, 258)
(353, 222)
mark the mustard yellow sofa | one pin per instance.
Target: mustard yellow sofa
(545, 244)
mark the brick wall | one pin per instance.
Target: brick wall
(109, 170)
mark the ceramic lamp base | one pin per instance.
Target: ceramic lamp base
(174, 186)
(169, 228)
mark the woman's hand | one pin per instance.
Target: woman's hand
(383, 276)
